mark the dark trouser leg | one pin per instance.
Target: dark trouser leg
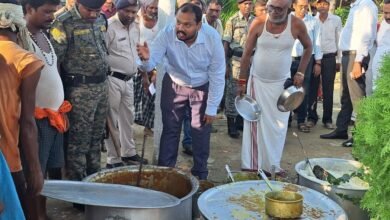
(173, 109)
(345, 113)
(328, 73)
(302, 109)
(312, 100)
(93, 157)
(187, 137)
(85, 100)
(200, 132)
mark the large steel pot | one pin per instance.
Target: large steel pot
(347, 198)
(164, 179)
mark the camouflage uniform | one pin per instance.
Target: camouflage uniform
(235, 34)
(82, 53)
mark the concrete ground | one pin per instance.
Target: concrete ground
(225, 150)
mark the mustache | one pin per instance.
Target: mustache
(181, 32)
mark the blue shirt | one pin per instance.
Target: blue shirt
(313, 27)
(192, 66)
(8, 197)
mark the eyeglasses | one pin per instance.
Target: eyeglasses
(271, 8)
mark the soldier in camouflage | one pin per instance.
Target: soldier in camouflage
(234, 38)
(77, 36)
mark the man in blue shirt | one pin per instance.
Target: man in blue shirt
(195, 79)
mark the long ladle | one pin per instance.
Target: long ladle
(141, 162)
(229, 172)
(265, 178)
(304, 152)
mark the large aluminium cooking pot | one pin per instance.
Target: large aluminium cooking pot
(283, 204)
(290, 99)
(348, 197)
(164, 179)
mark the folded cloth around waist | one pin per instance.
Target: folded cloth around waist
(74, 80)
(57, 119)
(121, 76)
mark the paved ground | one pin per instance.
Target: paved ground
(225, 150)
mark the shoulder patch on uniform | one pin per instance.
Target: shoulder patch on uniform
(58, 34)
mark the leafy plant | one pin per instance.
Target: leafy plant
(229, 8)
(372, 144)
(342, 12)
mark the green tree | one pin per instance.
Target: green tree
(372, 144)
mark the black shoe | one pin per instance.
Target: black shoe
(110, 166)
(232, 129)
(79, 207)
(134, 160)
(335, 135)
(348, 143)
(188, 150)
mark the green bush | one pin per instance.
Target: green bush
(372, 144)
(342, 12)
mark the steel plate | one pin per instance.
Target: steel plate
(245, 200)
(247, 107)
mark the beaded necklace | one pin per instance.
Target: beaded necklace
(50, 63)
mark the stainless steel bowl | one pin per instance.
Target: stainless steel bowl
(247, 107)
(290, 99)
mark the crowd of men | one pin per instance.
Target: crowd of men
(72, 76)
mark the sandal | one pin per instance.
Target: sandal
(281, 174)
(302, 127)
(310, 123)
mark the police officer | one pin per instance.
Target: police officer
(234, 39)
(77, 36)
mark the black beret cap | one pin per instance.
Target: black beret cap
(92, 4)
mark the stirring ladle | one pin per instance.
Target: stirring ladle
(304, 152)
(229, 172)
(265, 178)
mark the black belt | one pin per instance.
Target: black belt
(239, 53)
(349, 52)
(329, 55)
(75, 80)
(296, 58)
(120, 76)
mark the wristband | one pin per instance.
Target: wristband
(300, 73)
(318, 64)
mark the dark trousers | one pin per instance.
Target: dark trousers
(302, 109)
(328, 73)
(175, 101)
(352, 90)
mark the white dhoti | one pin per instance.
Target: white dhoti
(263, 141)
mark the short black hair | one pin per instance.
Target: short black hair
(191, 8)
(260, 3)
(217, 2)
(15, 2)
(38, 3)
(386, 2)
